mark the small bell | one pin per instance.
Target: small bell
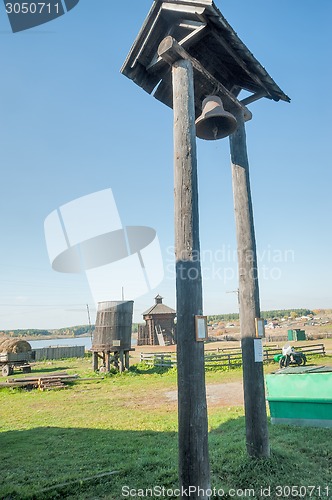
(214, 122)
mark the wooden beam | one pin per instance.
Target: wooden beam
(170, 50)
(196, 7)
(254, 97)
(197, 33)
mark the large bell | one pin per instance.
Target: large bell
(214, 122)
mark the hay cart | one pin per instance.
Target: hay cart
(15, 354)
(12, 360)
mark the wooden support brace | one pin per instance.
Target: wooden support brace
(253, 98)
(108, 361)
(127, 360)
(95, 361)
(121, 365)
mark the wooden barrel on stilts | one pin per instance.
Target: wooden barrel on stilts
(113, 326)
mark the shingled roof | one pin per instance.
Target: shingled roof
(200, 28)
(159, 308)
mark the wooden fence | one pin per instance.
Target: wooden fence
(59, 352)
(223, 357)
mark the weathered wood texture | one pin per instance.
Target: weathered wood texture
(224, 357)
(206, 35)
(59, 352)
(253, 379)
(193, 429)
(94, 361)
(115, 357)
(113, 326)
(170, 50)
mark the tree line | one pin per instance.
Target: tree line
(70, 331)
(275, 313)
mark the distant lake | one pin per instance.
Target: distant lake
(86, 341)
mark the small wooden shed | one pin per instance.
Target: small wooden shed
(159, 328)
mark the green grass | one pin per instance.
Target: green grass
(54, 444)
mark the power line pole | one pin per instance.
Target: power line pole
(253, 377)
(87, 307)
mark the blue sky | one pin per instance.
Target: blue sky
(72, 125)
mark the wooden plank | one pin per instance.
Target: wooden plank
(44, 377)
(76, 482)
(186, 6)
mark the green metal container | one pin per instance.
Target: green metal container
(301, 396)
(300, 335)
(290, 335)
(296, 334)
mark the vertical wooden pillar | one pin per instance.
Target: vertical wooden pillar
(253, 378)
(121, 367)
(193, 428)
(126, 354)
(95, 361)
(108, 361)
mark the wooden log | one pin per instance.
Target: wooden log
(75, 483)
(121, 364)
(108, 361)
(95, 361)
(126, 360)
(192, 414)
(44, 377)
(253, 377)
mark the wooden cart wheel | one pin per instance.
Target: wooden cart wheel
(6, 370)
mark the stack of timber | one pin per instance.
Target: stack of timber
(49, 383)
(42, 382)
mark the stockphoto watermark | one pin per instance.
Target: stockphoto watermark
(25, 15)
(86, 235)
(163, 492)
(262, 491)
(221, 264)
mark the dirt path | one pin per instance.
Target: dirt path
(227, 394)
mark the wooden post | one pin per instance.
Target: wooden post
(95, 361)
(253, 377)
(121, 365)
(192, 408)
(126, 354)
(108, 361)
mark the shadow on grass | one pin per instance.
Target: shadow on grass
(81, 463)
(299, 456)
(50, 462)
(50, 369)
(141, 369)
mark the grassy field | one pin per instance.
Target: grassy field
(99, 435)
